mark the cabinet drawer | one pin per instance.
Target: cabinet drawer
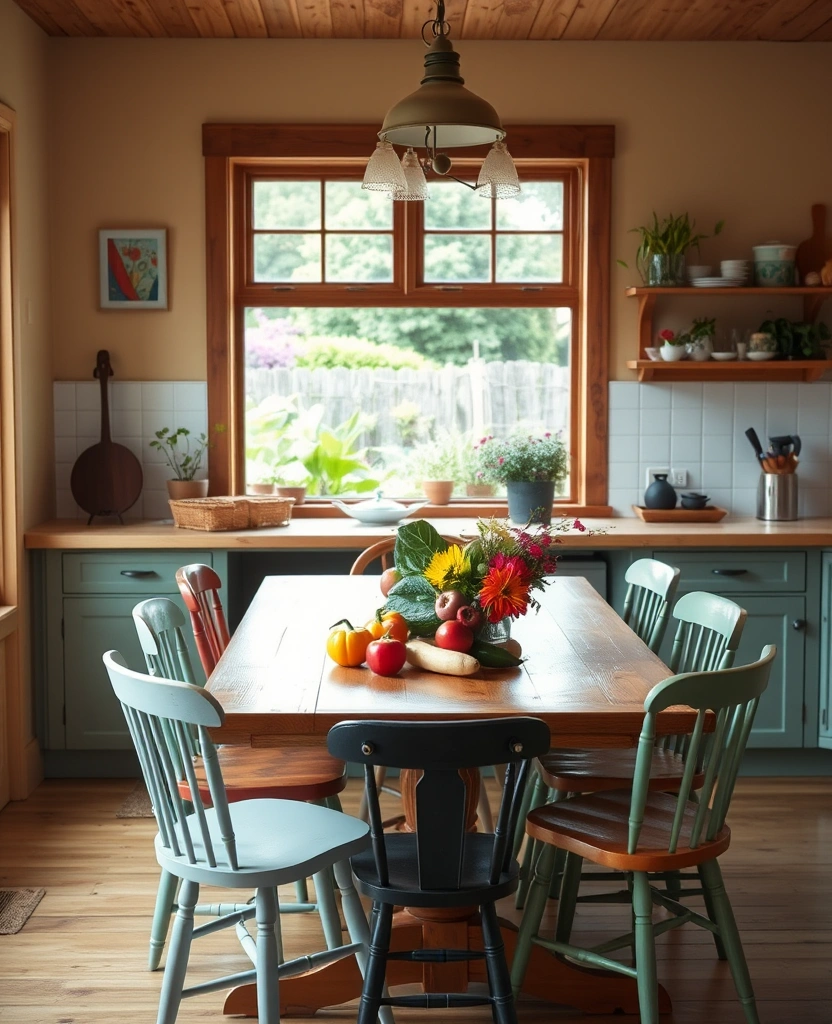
(738, 572)
(124, 572)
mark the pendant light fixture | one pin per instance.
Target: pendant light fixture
(441, 114)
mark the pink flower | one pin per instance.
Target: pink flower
(535, 551)
(500, 461)
(579, 526)
(667, 335)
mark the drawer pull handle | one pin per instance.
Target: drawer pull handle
(729, 572)
(799, 624)
(138, 574)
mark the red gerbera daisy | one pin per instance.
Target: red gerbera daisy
(505, 588)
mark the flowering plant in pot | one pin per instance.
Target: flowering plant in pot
(673, 345)
(531, 466)
(184, 457)
(436, 467)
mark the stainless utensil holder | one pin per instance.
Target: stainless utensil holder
(777, 497)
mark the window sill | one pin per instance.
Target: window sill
(474, 509)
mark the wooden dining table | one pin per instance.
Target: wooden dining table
(585, 674)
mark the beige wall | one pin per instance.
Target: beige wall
(740, 131)
(23, 87)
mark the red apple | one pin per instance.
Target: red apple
(469, 616)
(448, 604)
(389, 578)
(453, 636)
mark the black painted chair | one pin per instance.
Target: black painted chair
(441, 864)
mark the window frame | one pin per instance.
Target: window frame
(235, 154)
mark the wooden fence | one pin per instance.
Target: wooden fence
(481, 397)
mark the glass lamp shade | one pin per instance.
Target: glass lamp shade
(384, 171)
(416, 188)
(498, 175)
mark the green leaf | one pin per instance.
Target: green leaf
(415, 599)
(416, 544)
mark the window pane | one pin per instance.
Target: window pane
(464, 258)
(453, 207)
(384, 388)
(539, 207)
(530, 258)
(359, 257)
(287, 205)
(287, 257)
(348, 205)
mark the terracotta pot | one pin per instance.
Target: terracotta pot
(260, 488)
(479, 490)
(187, 488)
(438, 492)
(298, 493)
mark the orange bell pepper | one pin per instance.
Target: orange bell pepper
(388, 624)
(347, 646)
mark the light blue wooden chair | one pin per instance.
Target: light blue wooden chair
(641, 830)
(651, 591)
(250, 844)
(248, 774)
(707, 638)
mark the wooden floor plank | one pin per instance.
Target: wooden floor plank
(82, 955)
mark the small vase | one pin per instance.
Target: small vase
(530, 501)
(672, 353)
(260, 488)
(187, 489)
(298, 493)
(666, 271)
(438, 492)
(495, 632)
(660, 494)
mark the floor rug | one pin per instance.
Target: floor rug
(16, 905)
(137, 804)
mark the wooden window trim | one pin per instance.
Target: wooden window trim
(228, 146)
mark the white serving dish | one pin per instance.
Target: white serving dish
(759, 357)
(379, 511)
(723, 357)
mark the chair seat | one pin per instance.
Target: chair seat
(596, 826)
(403, 870)
(593, 771)
(276, 773)
(278, 841)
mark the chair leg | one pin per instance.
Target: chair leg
(568, 896)
(709, 907)
(647, 980)
(711, 876)
(499, 980)
(268, 1000)
(180, 948)
(165, 906)
(532, 916)
(368, 1007)
(539, 796)
(486, 819)
(301, 891)
(328, 908)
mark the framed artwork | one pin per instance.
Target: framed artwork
(133, 268)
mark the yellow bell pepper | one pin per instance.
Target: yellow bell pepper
(347, 646)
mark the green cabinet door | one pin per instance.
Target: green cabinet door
(93, 625)
(825, 717)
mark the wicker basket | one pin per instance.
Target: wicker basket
(231, 513)
(210, 513)
(269, 510)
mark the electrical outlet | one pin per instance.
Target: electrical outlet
(678, 477)
(651, 475)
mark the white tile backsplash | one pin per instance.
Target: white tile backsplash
(701, 429)
(137, 410)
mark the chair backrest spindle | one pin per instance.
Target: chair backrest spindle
(199, 586)
(651, 588)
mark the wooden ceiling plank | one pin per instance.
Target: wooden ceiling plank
(695, 22)
(588, 19)
(641, 19)
(738, 15)
(481, 17)
(107, 18)
(347, 18)
(790, 20)
(175, 17)
(282, 20)
(315, 19)
(416, 12)
(42, 17)
(72, 20)
(383, 19)
(141, 18)
(517, 18)
(211, 19)
(552, 18)
(823, 34)
(246, 17)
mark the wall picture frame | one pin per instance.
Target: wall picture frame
(133, 268)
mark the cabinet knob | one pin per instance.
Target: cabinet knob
(799, 624)
(729, 572)
(138, 574)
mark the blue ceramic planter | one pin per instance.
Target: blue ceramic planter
(530, 501)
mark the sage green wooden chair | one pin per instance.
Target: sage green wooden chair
(250, 844)
(248, 774)
(707, 638)
(651, 591)
(640, 830)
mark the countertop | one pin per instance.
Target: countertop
(624, 532)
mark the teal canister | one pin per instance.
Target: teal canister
(660, 494)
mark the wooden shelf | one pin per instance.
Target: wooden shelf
(770, 370)
(813, 300)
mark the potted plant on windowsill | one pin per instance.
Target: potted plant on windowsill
(660, 257)
(184, 456)
(531, 466)
(476, 485)
(435, 466)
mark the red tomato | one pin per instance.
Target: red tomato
(453, 636)
(386, 656)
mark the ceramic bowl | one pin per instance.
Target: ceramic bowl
(653, 353)
(759, 357)
(694, 501)
(723, 357)
(774, 273)
(379, 511)
(696, 272)
(672, 353)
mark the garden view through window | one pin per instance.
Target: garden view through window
(347, 399)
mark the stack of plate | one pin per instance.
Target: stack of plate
(717, 282)
(737, 270)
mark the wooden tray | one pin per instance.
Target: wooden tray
(709, 514)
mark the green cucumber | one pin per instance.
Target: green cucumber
(493, 656)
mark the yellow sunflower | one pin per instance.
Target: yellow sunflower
(447, 568)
